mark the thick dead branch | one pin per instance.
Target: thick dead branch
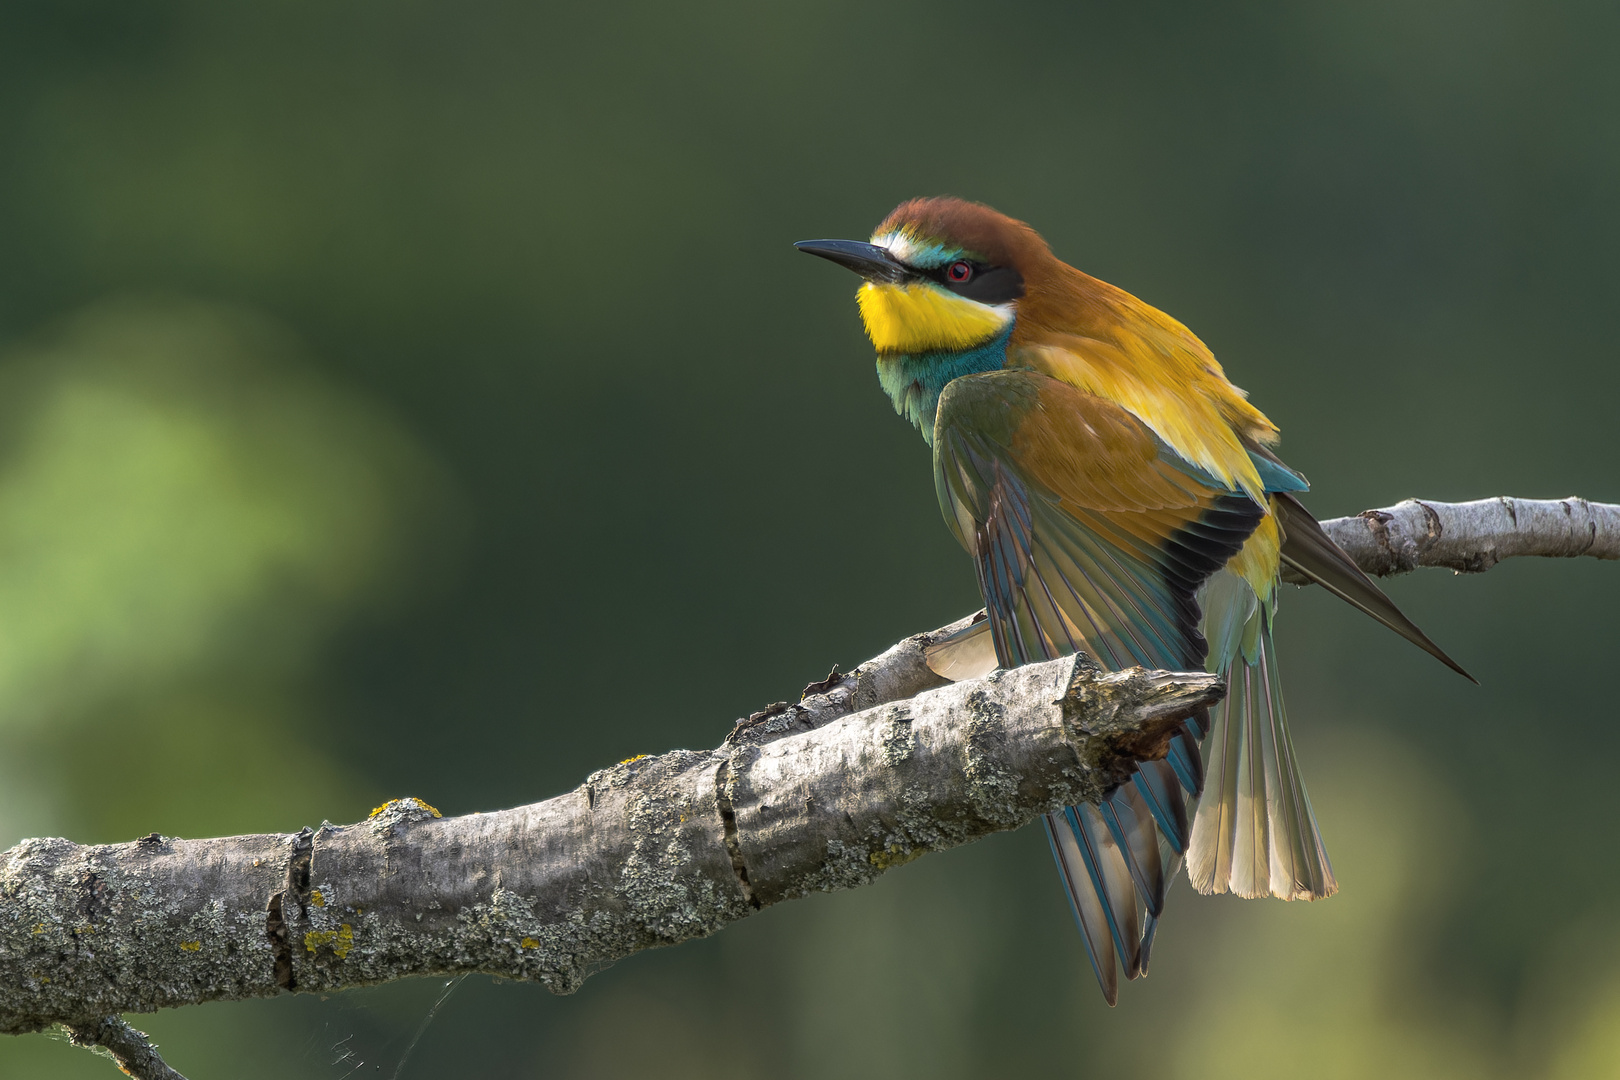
(650, 852)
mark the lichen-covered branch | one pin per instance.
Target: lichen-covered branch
(649, 852)
(1472, 537)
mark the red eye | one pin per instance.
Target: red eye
(959, 272)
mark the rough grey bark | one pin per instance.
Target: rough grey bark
(649, 852)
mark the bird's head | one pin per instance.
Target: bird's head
(942, 274)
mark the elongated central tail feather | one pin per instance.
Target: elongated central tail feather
(1254, 833)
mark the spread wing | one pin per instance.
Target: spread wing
(1089, 534)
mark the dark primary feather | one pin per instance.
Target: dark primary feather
(1312, 552)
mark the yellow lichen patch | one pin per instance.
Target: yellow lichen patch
(190, 946)
(409, 801)
(892, 856)
(341, 940)
(628, 760)
(918, 318)
(316, 898)
(529, 943)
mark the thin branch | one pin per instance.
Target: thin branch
(1472, 537)
(1466, 537)
(651, 852)
(130, 1049)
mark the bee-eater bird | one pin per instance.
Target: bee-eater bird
(1119, 497)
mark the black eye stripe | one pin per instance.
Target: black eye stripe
(986, 284)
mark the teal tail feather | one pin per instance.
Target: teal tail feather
(1096, 928)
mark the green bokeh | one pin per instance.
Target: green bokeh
(382, 380)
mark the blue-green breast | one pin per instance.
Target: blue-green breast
(915, 381)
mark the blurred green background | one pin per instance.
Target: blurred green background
(383, 379)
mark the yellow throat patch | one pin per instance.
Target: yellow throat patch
(915, 318)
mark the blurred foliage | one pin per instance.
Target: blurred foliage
(386, 380)
(185, 515)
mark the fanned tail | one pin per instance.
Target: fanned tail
(1254, 833)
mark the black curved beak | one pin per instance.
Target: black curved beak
(868, 260)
